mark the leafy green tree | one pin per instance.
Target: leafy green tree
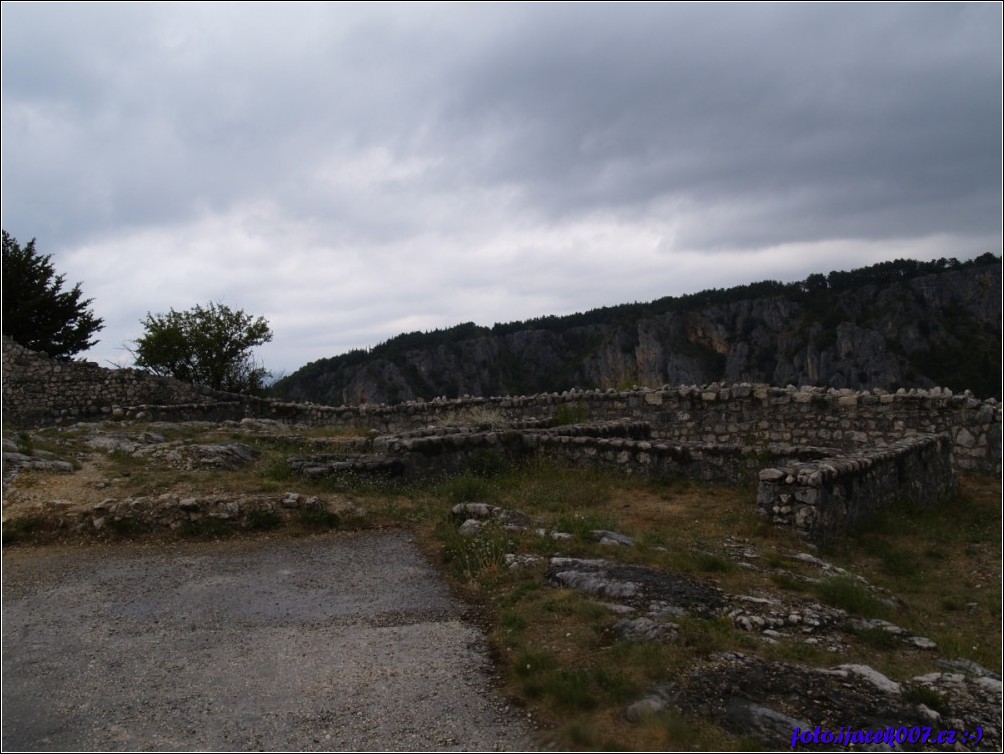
(37, 312)
(208, 346)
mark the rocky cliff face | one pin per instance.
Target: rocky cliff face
(942, 328)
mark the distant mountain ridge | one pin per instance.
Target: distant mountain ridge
(896, 324)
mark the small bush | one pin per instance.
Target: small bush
(900, 563)
(25, 444)
(878, 638)
(206, 528)
(125, 527)
(318, 518)
(23, 529)
(471, 556)
(263, 520)
(468, 488)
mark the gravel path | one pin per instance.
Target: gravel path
(340, 641)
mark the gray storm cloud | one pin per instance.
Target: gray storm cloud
(380, 145)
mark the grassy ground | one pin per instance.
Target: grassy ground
(555, 647)
(936, 572)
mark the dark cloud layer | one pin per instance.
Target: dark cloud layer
(365, 136)
(822, 109)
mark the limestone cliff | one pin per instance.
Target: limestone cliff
(897, 324)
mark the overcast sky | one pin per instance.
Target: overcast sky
(352, 172)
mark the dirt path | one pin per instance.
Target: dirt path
(340, 641)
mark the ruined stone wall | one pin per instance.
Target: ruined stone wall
(833, 456)
(37, 390)
(822, 499)
(623, 446)
(748, 415)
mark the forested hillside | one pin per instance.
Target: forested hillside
(896, 324)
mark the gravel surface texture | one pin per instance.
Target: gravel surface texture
(332, 642)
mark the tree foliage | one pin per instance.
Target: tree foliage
(969, 357)
(208, 346)
(37, 312)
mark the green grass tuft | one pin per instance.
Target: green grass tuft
(850, 595)
(477, 555)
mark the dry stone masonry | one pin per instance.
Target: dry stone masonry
(824, 458)
(823, 498)
(39, 391)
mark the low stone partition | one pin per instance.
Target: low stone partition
(822, 499)
(820, 492)
(622, 446)
(709, 462)
(193, 514)
(38, 391)
(754, 416)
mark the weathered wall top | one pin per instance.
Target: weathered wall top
(39, 391)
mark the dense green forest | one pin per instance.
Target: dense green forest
(963, 351)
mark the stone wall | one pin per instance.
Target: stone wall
(822, 499)
(749, 415)
(37, 390)
(193, 515)
(832, 456)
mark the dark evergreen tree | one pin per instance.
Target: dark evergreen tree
(37, 312)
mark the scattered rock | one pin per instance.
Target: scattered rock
(558, 535)
(768, 699)
(520, 561)
(643, 708)
(470, 527)
(123, 442)
(660, 699)
(645, 629)
(639, 586)
(752, 613)
(612, 538)
(968, 666)
(510, 519)
(767, 724)
(873, 677)
(230, 456)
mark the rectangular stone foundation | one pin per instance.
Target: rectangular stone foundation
(824, 499)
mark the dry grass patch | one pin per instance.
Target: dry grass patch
(558, 655)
